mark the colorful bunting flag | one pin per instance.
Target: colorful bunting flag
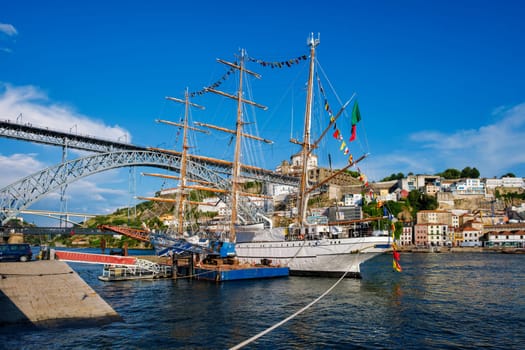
(396, 266)
(356, 117)
(395, 254)
(214, 85)
(276, 64)
(352, 137)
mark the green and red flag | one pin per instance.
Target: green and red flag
(356, 117)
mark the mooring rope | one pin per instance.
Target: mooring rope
(252, 339)
(268, 330)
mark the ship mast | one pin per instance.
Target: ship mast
(306, 146)
(184, 156)
(238, 132)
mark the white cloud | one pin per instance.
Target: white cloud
(8, 29)
(493, 149)
(36, 109)
(19, 166)
(378, 167)
(22, 165)
(87, 187)
(98, 193)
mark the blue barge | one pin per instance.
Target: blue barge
(238, 272)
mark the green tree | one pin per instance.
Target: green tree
(451, 174)
(471, 173)
(353, 173)
(428, 202)
(419, 201)
(373, 209)
(508, 175)
(395, 208)
(413, 198)
(397, 176)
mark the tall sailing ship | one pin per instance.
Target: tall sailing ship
(307, 248)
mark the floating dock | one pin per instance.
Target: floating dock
(144, 269)
(120, 268)
(221, 270)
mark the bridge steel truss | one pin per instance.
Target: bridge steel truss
(21, 194)
(28, 132)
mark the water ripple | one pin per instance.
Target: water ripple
(440, 301)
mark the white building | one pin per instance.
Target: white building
(214, 205)
(513, 182)
(418, 182)
(470, 237)
(353, 199)
(506, 239)
(407, 234)
(297, 161)
(468, 187)
(438, 235)
(294, 167)
(457, 215)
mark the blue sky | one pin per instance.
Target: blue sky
(440, 84)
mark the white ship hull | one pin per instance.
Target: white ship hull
(323, 257)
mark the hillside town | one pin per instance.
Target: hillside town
(471, 212)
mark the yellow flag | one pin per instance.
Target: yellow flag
(396, 266)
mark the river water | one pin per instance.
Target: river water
(439, 301)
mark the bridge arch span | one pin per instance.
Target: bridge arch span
(23, 193)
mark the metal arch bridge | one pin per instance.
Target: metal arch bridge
(32, 188)
(29, 132)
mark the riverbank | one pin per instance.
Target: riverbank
(505, 250)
